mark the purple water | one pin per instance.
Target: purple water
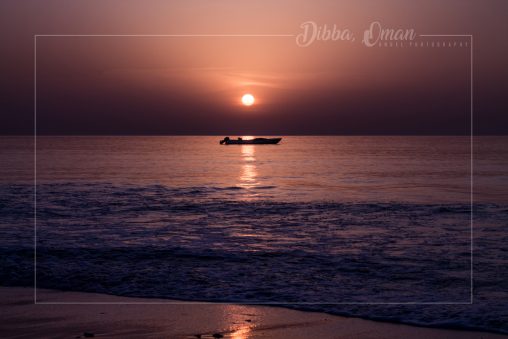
(314, 222)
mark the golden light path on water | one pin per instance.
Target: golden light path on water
(247, 180)
(248, 174)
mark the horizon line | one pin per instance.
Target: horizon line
(251, 134)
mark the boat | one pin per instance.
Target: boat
(255, 141)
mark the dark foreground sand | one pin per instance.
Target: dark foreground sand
(21, 318)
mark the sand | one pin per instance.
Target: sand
(21, 318)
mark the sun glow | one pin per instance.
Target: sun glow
(248, 99)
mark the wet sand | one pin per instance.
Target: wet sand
(112, 316)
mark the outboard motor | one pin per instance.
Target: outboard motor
(226, 139)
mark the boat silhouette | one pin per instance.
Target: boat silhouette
(255, 141)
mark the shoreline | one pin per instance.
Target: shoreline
(127, 317)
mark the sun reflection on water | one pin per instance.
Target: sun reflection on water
(248, 175)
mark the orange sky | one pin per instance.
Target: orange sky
(193, 85)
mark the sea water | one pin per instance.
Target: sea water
(377, 227)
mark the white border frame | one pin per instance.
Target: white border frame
(177, 302)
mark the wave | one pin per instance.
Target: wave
(192, 243)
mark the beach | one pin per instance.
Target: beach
(112, 316)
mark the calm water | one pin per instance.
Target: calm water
(322, 220)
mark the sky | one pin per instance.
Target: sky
(193, 84)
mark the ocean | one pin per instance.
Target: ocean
(377, 227)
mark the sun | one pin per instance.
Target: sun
(248, 99)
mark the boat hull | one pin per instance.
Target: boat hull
(257, 141)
